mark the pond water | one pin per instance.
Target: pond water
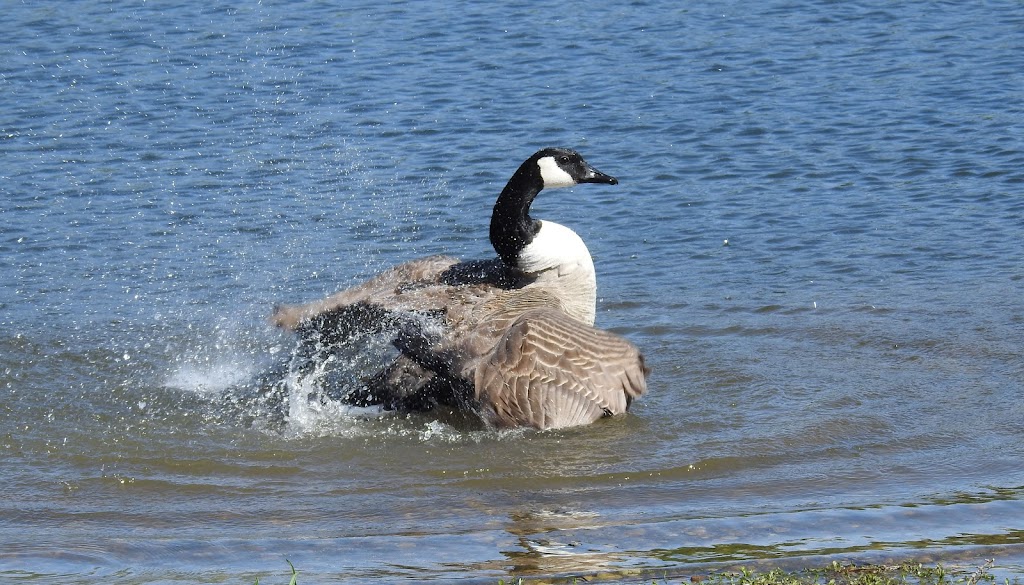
(817, 242)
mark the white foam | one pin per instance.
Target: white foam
(312, 414)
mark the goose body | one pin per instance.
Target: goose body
(515, 339)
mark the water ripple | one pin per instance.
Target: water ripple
(815, 241)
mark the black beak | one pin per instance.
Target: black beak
(592, 175)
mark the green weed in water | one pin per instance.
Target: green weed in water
(295, 575)
(834, 574)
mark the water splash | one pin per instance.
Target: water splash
(315, 407)
(210, 379)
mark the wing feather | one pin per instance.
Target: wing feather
(548, 371)
(393, 289)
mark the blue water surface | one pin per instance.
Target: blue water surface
(817, 241)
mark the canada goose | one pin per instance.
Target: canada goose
(515, 339)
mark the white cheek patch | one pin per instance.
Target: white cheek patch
(552, 174)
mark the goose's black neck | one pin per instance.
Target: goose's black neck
(512, 228)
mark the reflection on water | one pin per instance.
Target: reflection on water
(562, 542)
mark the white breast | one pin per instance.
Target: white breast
(556, 246)
(562, 265)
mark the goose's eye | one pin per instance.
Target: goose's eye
(564, 159)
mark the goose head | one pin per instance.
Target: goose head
(562, 167)
(551, 255)
(512, 228)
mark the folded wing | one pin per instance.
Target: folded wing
(550, 371)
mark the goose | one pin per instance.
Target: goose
(512, 338)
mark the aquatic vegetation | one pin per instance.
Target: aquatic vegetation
(295, 574)
(908, 573)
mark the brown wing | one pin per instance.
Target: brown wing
(397, 288)
(428, 285)
(549, 371)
